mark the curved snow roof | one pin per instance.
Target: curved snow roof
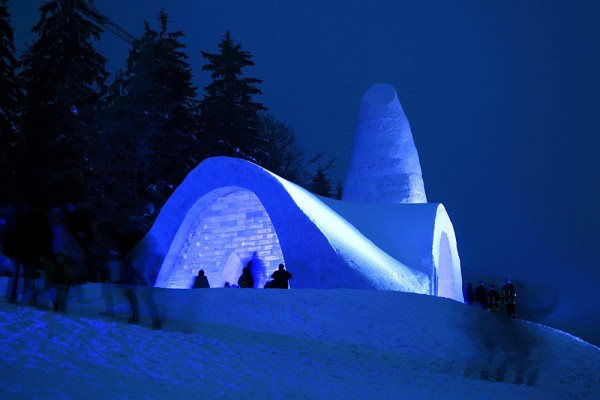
(325, 243)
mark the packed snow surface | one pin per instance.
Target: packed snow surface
(287, 344)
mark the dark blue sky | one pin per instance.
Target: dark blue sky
(503, 98)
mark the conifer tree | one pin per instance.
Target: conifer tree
(149, 140)
(320, 183)
(229, 114)
(9, 99)
(339, 190)
(62, 76)
(158, 88)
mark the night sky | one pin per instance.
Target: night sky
(503, 98)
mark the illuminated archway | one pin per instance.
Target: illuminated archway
(228, 228)
(446, 286)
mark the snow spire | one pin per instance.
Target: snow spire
(384, 166)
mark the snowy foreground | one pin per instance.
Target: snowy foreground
(282, 344)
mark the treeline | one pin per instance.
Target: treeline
(117, 146)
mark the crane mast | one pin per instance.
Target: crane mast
(97, 17)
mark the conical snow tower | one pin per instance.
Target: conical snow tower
(384, 167)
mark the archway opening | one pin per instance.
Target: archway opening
(227, 233)
(445, 270)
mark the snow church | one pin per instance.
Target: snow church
(382, 235)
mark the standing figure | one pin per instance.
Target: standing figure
(129, 278)
(78, 222)
(147, 293)
(469, 294)
(493, 299)
(113, 277)
(281, 278)
(480, 295)
(26, 240)
(509, 298)
(246, 280)
(60, 278)
(201, 281)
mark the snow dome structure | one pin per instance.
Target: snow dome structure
(228, 212)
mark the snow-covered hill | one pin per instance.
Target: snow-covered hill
(243, 343)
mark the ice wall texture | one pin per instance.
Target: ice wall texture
(225, 235)
(384, 166)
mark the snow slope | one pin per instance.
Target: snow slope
(305, 343)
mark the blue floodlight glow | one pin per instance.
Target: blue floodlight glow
(230, 231)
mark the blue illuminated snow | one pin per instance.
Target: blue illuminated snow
(321, 248)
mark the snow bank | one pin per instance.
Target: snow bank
(309, 343)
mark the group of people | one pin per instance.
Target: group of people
(279, 279)
(55, 275)
(120, 275)
(52, 254)
(489, 298)
(49, 252)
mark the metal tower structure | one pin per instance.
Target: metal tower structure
(103, 21)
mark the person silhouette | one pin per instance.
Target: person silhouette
(509, 298)
(129, 280)
(201, 281)
(281, 278)
(246, 280)
(469, 294)
(60, 277)
(112, 277)
(480, 295)
(493, 299)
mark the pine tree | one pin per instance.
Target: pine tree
(62, 76)
(9, 99)
(320, 183)
(229, 114)
(149, 140)
(159, 78)
(339, 190)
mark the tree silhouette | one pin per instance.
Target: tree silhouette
(63, 77)
(229, 114)
(10, 143)
(148, 142)
(320, 183)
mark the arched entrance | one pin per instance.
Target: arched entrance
(226, 233)
(445, 270)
